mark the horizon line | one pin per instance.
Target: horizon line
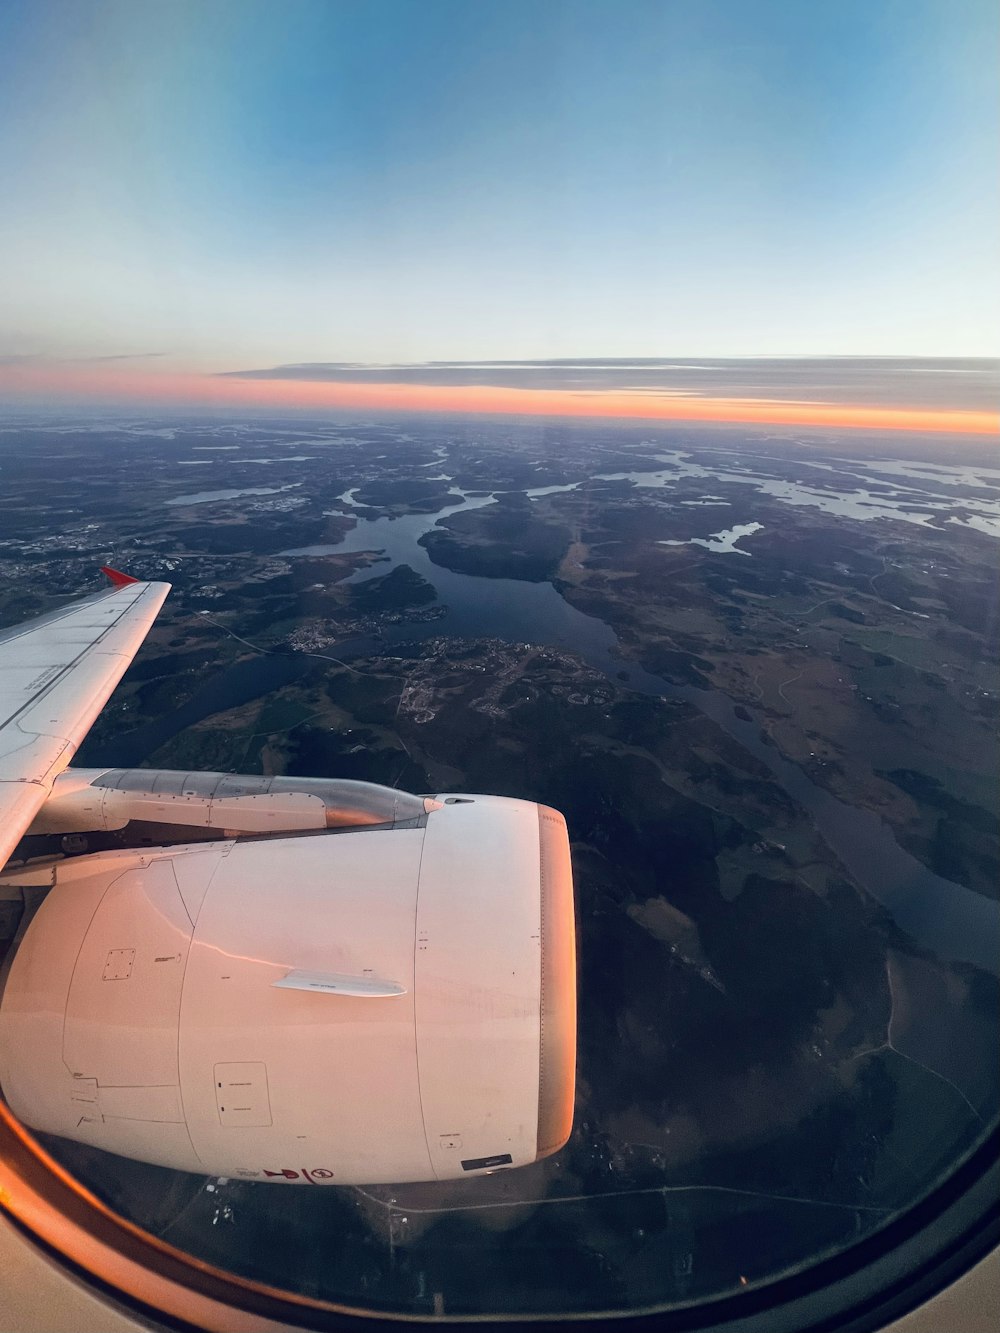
(56, 386)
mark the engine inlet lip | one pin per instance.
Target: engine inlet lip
(557, 992)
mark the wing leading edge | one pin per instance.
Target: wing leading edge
(56, 674)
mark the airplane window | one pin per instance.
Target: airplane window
(541, 856)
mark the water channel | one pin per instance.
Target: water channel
(947, 917)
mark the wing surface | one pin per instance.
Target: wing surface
(56, 674)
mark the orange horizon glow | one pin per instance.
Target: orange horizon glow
(190, 390)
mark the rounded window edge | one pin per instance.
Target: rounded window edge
(885, 1276)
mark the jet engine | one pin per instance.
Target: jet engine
(389, 999)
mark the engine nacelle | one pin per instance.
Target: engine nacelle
(380, 1005)
(105, 799)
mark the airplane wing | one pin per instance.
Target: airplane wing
(56, 674)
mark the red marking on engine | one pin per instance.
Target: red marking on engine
(318, 1173)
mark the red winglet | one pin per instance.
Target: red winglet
(119, 579)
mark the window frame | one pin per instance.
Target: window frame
(881, 1278)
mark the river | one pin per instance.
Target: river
(947, 917)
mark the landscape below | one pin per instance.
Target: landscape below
(756, 670)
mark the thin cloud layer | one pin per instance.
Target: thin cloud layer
(908, 382)
(42, 359)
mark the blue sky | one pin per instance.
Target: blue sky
(242, 183)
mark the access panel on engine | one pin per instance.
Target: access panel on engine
(241, 1094)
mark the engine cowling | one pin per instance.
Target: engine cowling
(379, 1005)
